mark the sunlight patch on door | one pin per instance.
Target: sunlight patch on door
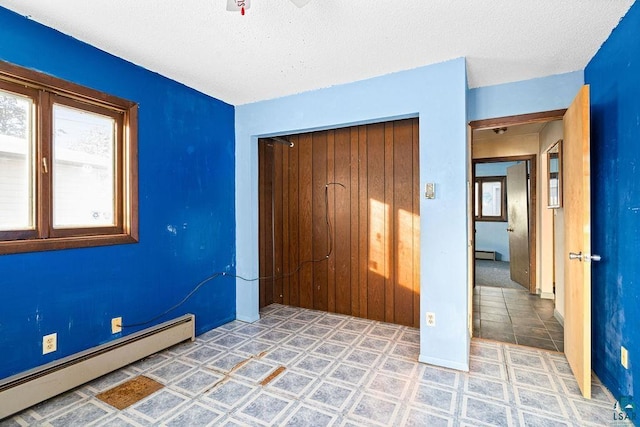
(407, 224)
(378, 240)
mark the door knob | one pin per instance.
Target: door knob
(510, 229)
(584, 257)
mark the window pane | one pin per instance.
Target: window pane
(83, 168)
(554, 193)
(476, 213)
(553, 163)
(16, 165)
(492, 198)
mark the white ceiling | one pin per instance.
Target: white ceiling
(277, 49)
(511, 131)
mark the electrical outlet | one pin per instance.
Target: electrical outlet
(624, 357)
(431, 319)
(116, 325)
(49, 343)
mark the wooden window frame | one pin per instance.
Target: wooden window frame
(46, 90)
(479, 180)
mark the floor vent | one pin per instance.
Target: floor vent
(126, 394)
(36, 385)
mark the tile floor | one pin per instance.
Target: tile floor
(515, 316)
(340, 371)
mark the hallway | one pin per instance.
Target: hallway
(505, 311)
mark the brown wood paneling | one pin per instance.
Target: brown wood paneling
(354, 223)
(373, 208)
(342, 240)
(416, 224)
(265, 223)
(305, 219)
(331, 261)
(390, 273)
(363, 223)
(403, 205)
(294, 227)
(377, 222)
(277, 234)
(318, 220)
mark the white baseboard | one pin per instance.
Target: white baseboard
(444, 363)
(558, 317)
(247, 319)
(547, 295)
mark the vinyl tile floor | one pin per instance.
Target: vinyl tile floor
(515, 316)
(334, 370)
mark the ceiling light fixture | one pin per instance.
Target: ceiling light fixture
(300, 3)
(238, 5)
(242, 5)
(500, 131)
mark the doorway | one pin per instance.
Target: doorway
(504, 217)
(509, 302)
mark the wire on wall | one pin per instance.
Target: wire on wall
(254, 279)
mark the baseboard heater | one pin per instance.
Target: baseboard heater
(26, 389)
(490, 255)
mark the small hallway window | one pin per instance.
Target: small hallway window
(490, 199)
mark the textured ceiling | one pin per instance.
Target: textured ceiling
(277, 49)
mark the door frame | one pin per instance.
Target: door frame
(532, 158)
(520, 119)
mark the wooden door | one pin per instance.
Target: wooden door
(339, 221)
(518, 228)
(577, 273)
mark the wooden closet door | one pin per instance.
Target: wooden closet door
(339, 221)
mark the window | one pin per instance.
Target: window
(490, 198)
(68, 164)
(554, 175)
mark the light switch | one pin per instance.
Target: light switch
(430, 190)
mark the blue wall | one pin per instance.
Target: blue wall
(493, 235)
(187, 216)
(186, 206)
(524, 97)
(435, 94)
(613, 75)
